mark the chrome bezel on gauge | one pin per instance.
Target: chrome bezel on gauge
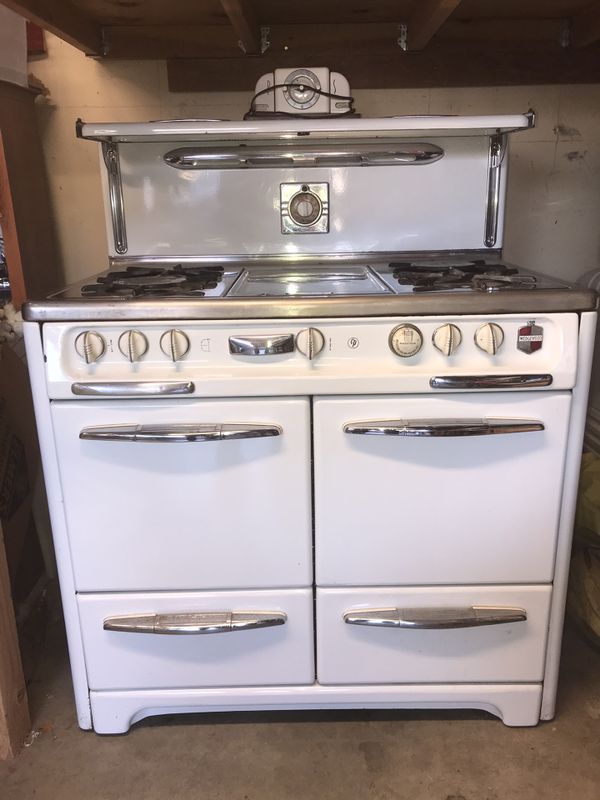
(313, 85)
(405, 326)
(289, 192)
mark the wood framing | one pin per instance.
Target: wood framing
(14, 712)
(426, 20)
(62, 19)
(242, 18)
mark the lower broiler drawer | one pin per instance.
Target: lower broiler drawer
(432, 635)
(200, 639)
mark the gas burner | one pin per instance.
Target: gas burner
(442, 276)
(177, 281)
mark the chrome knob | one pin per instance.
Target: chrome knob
(90, 345)
(133, 345)
(310, 342)
(175, 344)
(447, 338)
(489, 338)
(406, 340)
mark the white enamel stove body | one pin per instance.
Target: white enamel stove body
(182, 498)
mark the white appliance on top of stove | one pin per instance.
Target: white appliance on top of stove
(310, 443)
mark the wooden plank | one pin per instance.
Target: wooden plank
(14, 712)
(444, 63)
(426, 20)
(244, 22)
(63, 19)
(585, 26)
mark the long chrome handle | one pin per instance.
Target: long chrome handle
(260, 156)
(496, 157)
(180, 432)
(261, 345)
(490, 381)
(110, 153)
(132, 388)
(195, 623)
(443, 427)
(435, 618)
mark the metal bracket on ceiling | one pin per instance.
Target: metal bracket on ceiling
(402, 40)
(265, 39)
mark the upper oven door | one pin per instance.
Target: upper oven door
(196, 494)
(438, 490)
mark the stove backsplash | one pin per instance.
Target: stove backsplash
(175, 213)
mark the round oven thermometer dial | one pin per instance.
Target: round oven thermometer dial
(305, 207)
(406, 340)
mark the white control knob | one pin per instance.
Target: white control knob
(175, 344)
(447, 338)
(133, 345)
(489, 338)
(406, 340)
(90, 345)
(310, 342)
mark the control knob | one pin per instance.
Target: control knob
(310, 342)
(406, 340)
(447, 338)
(133, 345)
(90, 345)
(489, 338)
(175, 344)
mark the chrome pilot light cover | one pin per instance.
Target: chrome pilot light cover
(304, 207)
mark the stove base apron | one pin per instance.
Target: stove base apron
(145, 641)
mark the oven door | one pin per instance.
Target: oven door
(456, 489)
(186, 495)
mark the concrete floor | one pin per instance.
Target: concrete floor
(376, 755)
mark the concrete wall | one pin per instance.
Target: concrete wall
(553, 217)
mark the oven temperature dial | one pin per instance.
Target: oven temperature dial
(447, 339)
(175, 344)
(310, 342)
(489, 338)
(406, 340)
(133, 345)
(90, 345)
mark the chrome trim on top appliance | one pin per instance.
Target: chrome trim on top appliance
(110, 154)
(194, 623)
(180, 432)
(435, 618)
(498, 145)
(443, 427)
(132, 388)
(294, 155)
(490, 381)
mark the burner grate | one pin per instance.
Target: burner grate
(441, 276)
(177, 281)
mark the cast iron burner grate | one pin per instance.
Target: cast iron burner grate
(177, 281)
(443, 276)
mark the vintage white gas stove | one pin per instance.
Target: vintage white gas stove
(311, 443)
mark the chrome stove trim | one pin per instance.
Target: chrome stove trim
(539, 301)
(443, 427)
(195, 622)
(180, 432)
(110, 154)
(497, 152)
(436, 618)
(490, 381)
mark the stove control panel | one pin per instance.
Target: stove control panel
(272, 357)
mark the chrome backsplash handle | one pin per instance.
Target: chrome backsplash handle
(110, 153)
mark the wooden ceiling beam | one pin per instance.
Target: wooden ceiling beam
(244, 22)
(64, 20)
(426, 20)
(585, 26)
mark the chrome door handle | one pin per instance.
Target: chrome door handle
(180, 432)
(132, 388)
(435, 618)
(490, 381)
(195, 622)
(443, 427)
(261, 345)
